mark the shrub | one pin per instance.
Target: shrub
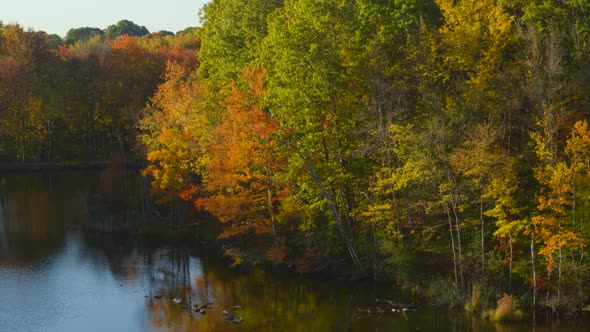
(507, 310)
(444, 292)
(474, 302)
(483, 297)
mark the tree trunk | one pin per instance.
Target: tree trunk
(48, 141)
(452, 242)
(560, 258)
(374, 233)
(271, 210)
(397, 220)
(374, 251)
(574, 201)
(409, 218)
(574, 208)
(483, 265)
(510, 265)
(457, 225)
(23, 136)
(534, 267)
(347, 239)
(347, 192)
(559, 275)
(455, 208)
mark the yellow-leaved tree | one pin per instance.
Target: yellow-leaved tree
(176, 130)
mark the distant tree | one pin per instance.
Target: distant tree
(82, 34)
(191, 30)
(21, 71)
(54, 41)
(187, 39)
(125, 27)
(164, 33)
(134, 73)
(95, 46)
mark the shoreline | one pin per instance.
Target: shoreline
(416, 296)
(15, 167)
(436, 292)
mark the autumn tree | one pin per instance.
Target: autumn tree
(23, 55)
(391, 35)
(82, 87)
(243, 181)
(482, 160)
(578, 151)
(546, 87)
(133, 73)
(175, 132)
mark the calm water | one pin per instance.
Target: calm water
(56, 277)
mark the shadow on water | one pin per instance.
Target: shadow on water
(71, 279)
(29, 207)
(267, 301)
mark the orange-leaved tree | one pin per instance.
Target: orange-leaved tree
(133, 74)
(242, 184)
(175, 132)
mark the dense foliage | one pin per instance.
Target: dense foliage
(401, 136)
(395, 136)
(81, 98)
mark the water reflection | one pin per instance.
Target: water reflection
(263, 300)
(26, 208)
(3, 217)
(56, 277)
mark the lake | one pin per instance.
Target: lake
(55, 276)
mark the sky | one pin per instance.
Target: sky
(59, 16)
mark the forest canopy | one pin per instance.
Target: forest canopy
(391, 137)
(80, 98)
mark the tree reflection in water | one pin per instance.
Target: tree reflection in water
(65, 276)
(3, 217)
(262, 299)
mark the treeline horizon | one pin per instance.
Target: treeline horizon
(113, 31)
(79, 99)
(396, 138)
